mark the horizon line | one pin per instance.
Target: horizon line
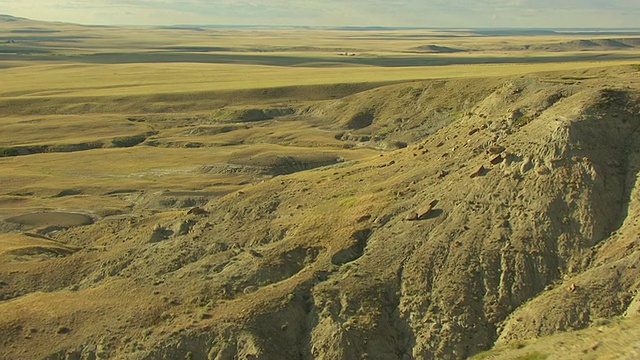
(332, 27)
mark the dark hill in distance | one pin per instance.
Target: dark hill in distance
(589, 45)
(9, 18)
(435, 49)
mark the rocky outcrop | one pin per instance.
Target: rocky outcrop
(358, 260)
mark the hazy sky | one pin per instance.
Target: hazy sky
(427, 13)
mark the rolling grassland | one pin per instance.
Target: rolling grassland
(243, 193)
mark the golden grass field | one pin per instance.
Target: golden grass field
(67, 88)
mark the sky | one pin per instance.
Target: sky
(413, 13)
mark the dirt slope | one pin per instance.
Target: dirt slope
(510, 214)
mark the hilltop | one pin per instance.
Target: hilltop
(8, 18)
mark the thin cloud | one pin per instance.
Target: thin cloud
(461, 13)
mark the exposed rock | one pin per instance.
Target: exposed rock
(426, 214)
(197, 211)
(496, 160)
(355, 251)
(480, 172)
(412, 216)
(496, 149)
(543, 170)
(159, 233)
(63, 330)
(182, 228)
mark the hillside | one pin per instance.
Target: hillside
(428, 219)
(331, 193)
(590, 45)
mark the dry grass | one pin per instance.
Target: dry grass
(617, 339)
(126, 80)
(192, 151)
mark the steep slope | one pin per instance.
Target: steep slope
(440, 287)
(604, 339)
(509, 215)
(405, 113)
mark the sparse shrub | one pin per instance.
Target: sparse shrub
(522, 121)
(193, 145)
(361, 120)
(75, 147)
(128, 141)
(399, 144)
(63, 330)
(4, 152)
(23, 150)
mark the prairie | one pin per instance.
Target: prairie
(209, 192)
